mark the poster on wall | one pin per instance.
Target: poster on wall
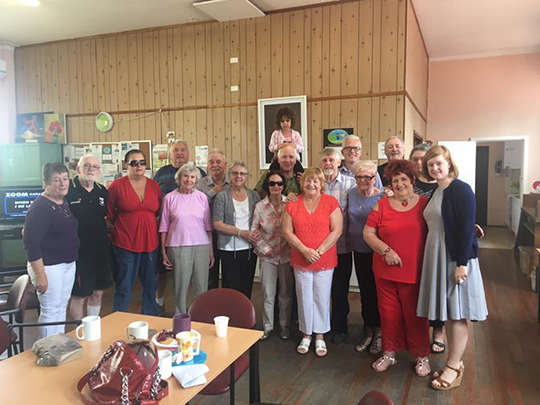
(160, 156)
(47, 127)
(334, 137)
(271, 111)
(201, 155)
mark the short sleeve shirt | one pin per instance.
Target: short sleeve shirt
(90, 209)
(312, 230)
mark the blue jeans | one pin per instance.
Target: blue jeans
(127, 266)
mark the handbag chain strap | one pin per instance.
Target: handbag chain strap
(125, 386)
(156, 379)
(108, 353)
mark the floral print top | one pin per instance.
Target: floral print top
(272, 248)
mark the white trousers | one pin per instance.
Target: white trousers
(54, 302)
(270, 274)
(313, 294)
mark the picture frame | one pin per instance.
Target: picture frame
(267, 110)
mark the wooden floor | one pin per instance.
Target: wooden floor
(502, 358)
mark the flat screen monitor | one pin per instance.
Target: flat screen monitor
(15, 201)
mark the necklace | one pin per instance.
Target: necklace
(366, 199)
(189, 202)
(405, 201)
(63, 210)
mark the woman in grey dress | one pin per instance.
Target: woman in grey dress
(451, 287)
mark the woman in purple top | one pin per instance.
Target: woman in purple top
(186, 236)
(52, 245)
(362, 198)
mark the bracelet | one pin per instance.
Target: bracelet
(318, 251)
(239, 232)
(385, 251)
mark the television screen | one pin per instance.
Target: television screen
(15, 201)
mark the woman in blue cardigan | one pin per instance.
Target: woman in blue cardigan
(451, 287)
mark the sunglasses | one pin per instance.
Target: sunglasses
(364, 178)
(276, 183)
(134, 163)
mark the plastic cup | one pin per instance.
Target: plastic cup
(222, 323)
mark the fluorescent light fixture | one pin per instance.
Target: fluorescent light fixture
(31, 3)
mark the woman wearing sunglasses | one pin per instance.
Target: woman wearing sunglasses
(362, 198)
(133, 205)
(233, 216)
(274, 254)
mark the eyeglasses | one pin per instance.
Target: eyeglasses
(276, 183)
(348, 149)
(134, 163)
(242, 174)
(364, 178)
(87, 166)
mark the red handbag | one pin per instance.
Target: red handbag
(126, 374)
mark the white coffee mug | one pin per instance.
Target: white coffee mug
(165, 363)
(91, 328)
(137, 330)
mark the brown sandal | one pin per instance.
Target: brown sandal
(444, 385)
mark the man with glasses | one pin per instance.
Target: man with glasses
(338, 185)
(87, 200)
(352, 151)
(178, 156)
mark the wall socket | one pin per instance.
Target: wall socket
(171, 134)
(234, 59)
(234, 88)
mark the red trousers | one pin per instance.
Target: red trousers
(400, 327)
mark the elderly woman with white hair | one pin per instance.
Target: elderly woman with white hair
(233, 217)
(186, 236)
(361, 200)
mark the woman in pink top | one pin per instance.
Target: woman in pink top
(312, 225)
(186, 236)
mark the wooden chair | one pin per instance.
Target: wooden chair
(241, 313)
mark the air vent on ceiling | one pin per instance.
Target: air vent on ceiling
(227, 10)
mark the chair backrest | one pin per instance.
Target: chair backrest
(376, 398)
(227, 302)
(18, 294)
(5, 338)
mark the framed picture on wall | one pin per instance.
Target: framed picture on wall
(273, 114)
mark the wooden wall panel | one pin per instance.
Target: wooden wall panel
(349, 59)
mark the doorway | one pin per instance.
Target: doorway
(482, 181)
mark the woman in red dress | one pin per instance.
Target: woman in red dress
(312, 226)
(396, 230)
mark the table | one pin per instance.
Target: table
(22, 381)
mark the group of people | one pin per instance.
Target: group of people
(407, 225)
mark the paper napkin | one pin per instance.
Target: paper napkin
(189, 376)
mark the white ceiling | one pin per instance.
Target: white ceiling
(459, 29)
(452, 29)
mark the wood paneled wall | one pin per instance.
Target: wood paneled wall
(348, 58)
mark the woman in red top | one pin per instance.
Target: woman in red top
(133, 205)
(312, 226)
(396, 230)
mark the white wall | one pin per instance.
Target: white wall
(7, 96)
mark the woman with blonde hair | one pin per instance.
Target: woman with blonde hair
(451, 287)
(311, 226)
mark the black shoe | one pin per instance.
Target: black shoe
(161, 310)
(338, 338)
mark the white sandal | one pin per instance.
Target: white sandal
(304, 345)
(377, 363)
(320, 348)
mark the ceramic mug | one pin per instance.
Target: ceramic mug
(137, 330)
(165, 363)
(91, 328)
(181, 323)
(187, 341)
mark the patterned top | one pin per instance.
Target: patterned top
(291, 185)
(268, 221)
(278, 138)
(312, 230)
(425, 189)
(405, 232)
(339, 189)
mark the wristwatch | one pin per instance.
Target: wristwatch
(385, 251)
